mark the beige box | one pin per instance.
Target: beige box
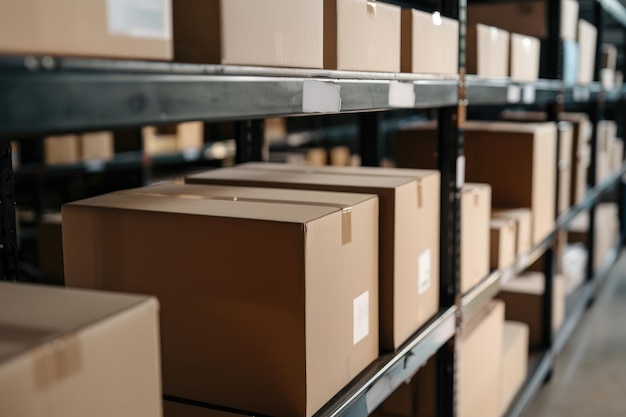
(168, 139)
(487, 51)
(479, 361)
(566, 144)
(523, 221)
(617, 154)
(308, 300)
(174, 409)
(607, 132)
(514, 362)
(587, 34)
(429, 42)
(74, 353)
(579, 161)
(475, 234)
(96, 146)
(609, 56)
(503, 242)
(50, 248)
(278, 33)
(524, 303)
(525, 52)
(361, 35)
(606, 231)
(409, 202)
(61, 150)
(93, 28)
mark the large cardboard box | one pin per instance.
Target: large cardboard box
(361, 35)
(96, 146)
(503, 242)
(587, 34)
(525, 52)
(50, 248)
(606, 231)
(283, 33)
(487, 51)
(409, 230)
(424, 37)
(61, 150)
(566, 143)
(75, 353)
(159, 140)
(479, 362)
(524, 303)
(514, 362)
(523, 225)
(475, 234)
(175, 409)
(293, 273)
(95, 28)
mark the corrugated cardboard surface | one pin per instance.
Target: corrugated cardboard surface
(565, 168)
(96, 145)
(409, 202)
(523, 221)
(84, 28)
(475, 235)
(587, 34)
(514, 362)
(487, 51)
(360, 35)
(479, 361)
(424, 37)
(503, 243)
(259, 295)
(284, 33)
(78, 353)
(61, 150)
(172, 409)
(525, 51)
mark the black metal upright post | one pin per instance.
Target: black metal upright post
(242, 141)
(370, 134)
(8, 230)
(257, 139)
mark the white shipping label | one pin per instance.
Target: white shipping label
(150, 19)
(401, 95)
(423, 272)
(361, 317)
(321, 97)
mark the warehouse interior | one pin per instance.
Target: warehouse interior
(312, 208)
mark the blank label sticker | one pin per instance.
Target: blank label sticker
(529, 94)
(361, 317)
(460, 171)
(140, 18)
(401, 94)
(423, 272)
(320, 97)
(513, 94)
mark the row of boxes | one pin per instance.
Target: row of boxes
(73, 149)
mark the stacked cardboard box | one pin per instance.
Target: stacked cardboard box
(503, 242)
(606, 139)
(487, 51)
(522, 218)
(475, 234)
(587, 35)
(73, 149)
(606, 230)
(159, 140)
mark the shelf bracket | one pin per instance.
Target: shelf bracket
(8, 234)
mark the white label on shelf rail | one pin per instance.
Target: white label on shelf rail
(321, 97)
(529, 94)
(401, 94)
(361, 317)
(140, 18)
(423, 272)
(513, 94)
(460, 171)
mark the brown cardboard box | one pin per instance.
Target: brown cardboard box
(424, 37)
(96, 145)
(173, 409)
(617, 154)
(525, 51)
(275, 129)
(361, 35)
(524, 297)
(514, 362)
(340, 156)
(159, 140)
(316, 157)
(475, 235)
(278, 33)
(50, 248)
(311, 337)
(503, 242)
(579, 161)
(587, 34)
(523, 221)
(409, 202)
(93, 28)
(606, 231)
(61, 150)
(487, 51)
(479, 362)
(607, 132)
(565, 168)
(77, 353)
(609, 56)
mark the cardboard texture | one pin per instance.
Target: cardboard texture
(514, 362)
(283, 33)
(503, 243)
(566, 140)
(61, 150)
(308, 300)
(479, 361)
(361, 35)
(159, 140)
(96, 146)
(524, 297)
(609, 56)
(487, 51)
(91, 28)
(409, 230)
(78, 353)
(606, 231)
(525, 52)
(173, 409)
(424, 37)
(50, 248)
(523, 226)
(587, 34)
(475, 234)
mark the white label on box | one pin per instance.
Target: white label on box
(361, 317)
(401, 94)
(320, 97)
(513, 94)
(460, 171)
(529, 94)
(140, 18)
(423, 272)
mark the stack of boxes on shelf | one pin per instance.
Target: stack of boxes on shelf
(74, 149)
(169, 139)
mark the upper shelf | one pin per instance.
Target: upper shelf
(614, 8)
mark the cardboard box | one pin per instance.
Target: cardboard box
(606, 231)
(617, 154)
(61, 150)
(50, 248)
(361, 35)
(278, 33)
(487, 51)
(579, 161)
(525, 52)
(523, 222)
(96, 146)
(503, 242)
(409, 201)
(77, 353)
(340, 156)
(607, 131)
(587, 34)
(514, 362)
(174, 409)
(524, 303)
(310, 338)
(566, 140)
(609, 56)
(169, 139)
(475, 234)
(424, 37)
(123, 29)
(479, 362)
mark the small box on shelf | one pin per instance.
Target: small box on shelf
(587, 34)
(503, 242)
(525, 53)
(61, 150)
(523, 222)
(475, 234)
(514, 362)
(487, 51)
